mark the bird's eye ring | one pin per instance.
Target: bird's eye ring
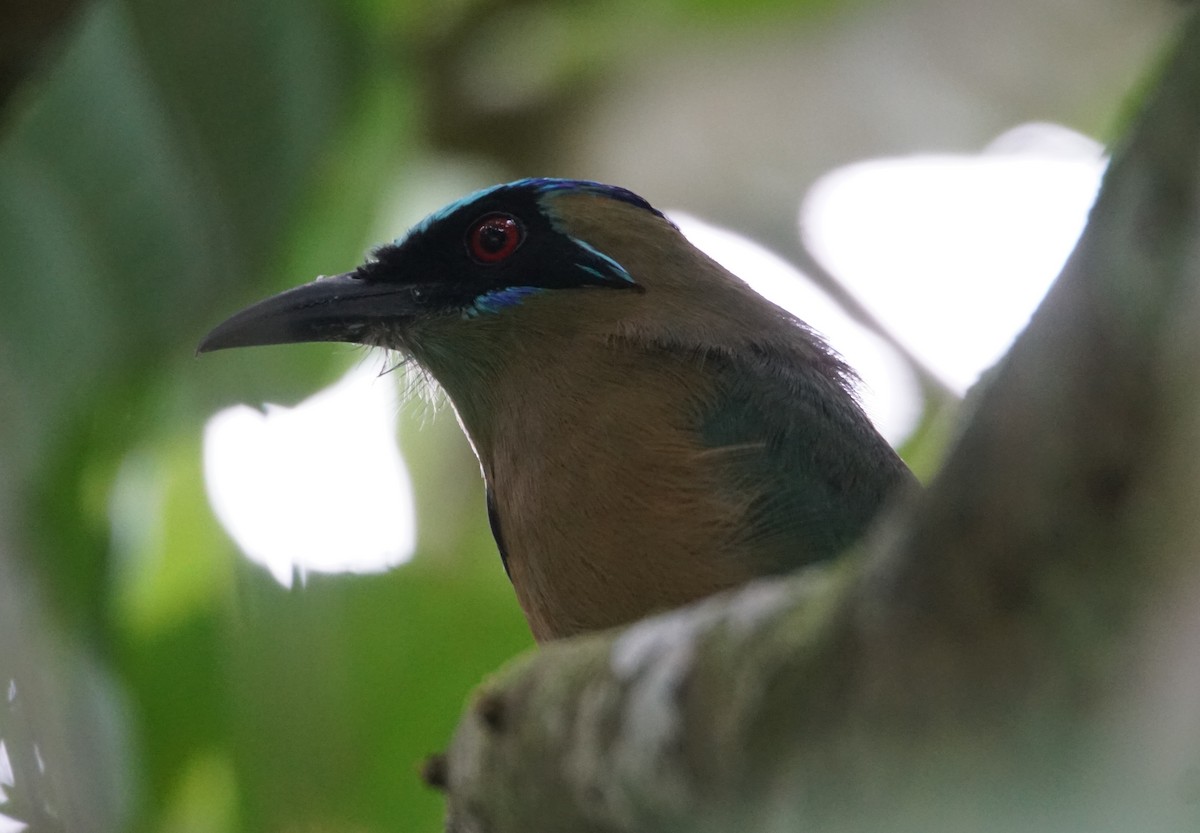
(494, 237)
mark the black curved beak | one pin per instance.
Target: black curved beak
(336, 308)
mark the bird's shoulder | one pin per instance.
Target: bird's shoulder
(787, 436)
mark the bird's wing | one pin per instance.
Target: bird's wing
(791, 442)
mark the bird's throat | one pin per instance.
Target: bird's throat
(599, 491)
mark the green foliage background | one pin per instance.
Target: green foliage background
(172, 162)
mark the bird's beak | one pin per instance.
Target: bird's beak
(337, 308)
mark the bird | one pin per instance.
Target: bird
(650, 430)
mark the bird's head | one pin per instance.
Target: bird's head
(521, 273)
(475, 259)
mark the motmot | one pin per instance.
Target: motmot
(649, 428)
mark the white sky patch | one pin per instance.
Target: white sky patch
(7, 823)
(318, 487)
(952, 253)
(888, 392)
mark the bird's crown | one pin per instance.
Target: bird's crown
(497, 246)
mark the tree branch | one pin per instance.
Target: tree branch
(1014, 647)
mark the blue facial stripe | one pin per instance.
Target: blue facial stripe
(499, 299)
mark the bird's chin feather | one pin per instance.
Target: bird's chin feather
(416, 383)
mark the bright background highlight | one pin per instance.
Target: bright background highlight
(318, 487)
(953, 252)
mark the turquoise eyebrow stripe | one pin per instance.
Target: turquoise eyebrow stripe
(540, 186)
(443, 213)
(617, 268)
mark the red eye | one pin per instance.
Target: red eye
(494, 237)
